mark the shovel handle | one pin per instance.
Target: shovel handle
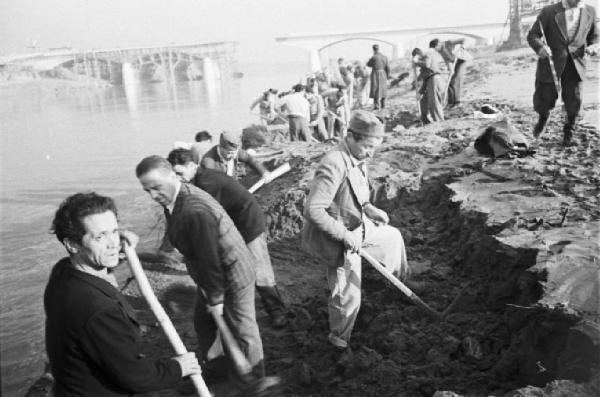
(160, 314)
(240, 361)
(398, 284)
(276, 173)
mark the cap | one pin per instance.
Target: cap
(375, 46)
(366, 123)
(229, 140)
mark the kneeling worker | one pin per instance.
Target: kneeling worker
(341, 220)
(246, 214)
(92, 336)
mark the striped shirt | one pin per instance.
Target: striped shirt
(572, 15)
(216, 255)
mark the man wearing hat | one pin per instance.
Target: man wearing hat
(226, 155)
(380, 73)
(341, 220)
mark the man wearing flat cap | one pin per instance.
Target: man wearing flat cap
(340, 220)
(227, 154)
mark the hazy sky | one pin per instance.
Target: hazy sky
(255, 24)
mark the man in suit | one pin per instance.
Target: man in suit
(216, 258)
(92, 335)
(340, 220)
(570, 31)
(248, 217)
(380, 73)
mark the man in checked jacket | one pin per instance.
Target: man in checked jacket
(216, 258)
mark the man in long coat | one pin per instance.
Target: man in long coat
(570, 32)
(380, 73)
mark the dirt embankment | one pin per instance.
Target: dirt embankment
(516, 239)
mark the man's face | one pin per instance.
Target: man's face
(365, 148)
(100, 244)
(161, 185)
(185, 172)
(228, 153)
(573, 3)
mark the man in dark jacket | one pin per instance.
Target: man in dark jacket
(380, 73)
(226, 155)
(569, 26)
(248, 217)
(92, 337)
(216, 258)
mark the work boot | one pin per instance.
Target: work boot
(273, 304)
(568, 130)
(540, 127)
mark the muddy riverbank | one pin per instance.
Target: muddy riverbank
(516, 239)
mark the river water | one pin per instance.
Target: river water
(57, 139)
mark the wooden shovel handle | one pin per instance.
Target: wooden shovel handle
(160, 314)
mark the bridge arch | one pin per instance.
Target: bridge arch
(393, 45)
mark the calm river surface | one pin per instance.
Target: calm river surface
(57, 139)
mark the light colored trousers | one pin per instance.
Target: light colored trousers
(432, 107)
(384, 243)
(265, 277)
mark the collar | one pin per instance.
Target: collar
(353, 160)
(171, 206)
(221, 154)
(566, 6)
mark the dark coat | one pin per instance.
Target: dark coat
(238, 202)
(380, 73)
(553, 21)
(92, 339)
(216, 255)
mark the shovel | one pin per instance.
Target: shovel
(276, 173)
(160, 314)
(256, 386)
(407, 291)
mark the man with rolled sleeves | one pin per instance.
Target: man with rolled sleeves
(340, 220)
(569, 29)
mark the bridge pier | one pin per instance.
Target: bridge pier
(210, 70)
(314, 60)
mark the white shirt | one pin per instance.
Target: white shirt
(171, 206)
(296, 105)
(572, 15)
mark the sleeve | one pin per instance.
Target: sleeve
(328, 178)
(208, 162)
(592, 36)
(112, 342)
(256, 102)
(534, 37)
(370, 62)
(204, 243)
(252, 161)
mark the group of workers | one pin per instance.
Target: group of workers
(92, 334)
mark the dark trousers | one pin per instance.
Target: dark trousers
(455, 87)
(545, 95)
(240, 316)
(298, 128)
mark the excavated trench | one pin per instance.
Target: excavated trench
(496, 339)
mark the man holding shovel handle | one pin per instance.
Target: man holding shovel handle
(92, 337)
(341, 222)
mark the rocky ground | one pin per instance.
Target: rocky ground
(515, 239)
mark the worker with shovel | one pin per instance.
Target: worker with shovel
(341, 221)
(248, 217)
(216, 258)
